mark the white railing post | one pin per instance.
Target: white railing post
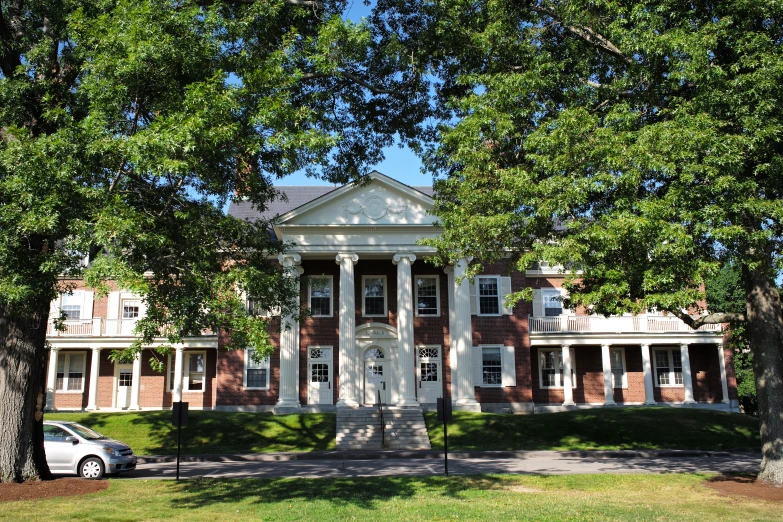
(564, 323)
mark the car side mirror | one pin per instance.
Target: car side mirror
(72, 440)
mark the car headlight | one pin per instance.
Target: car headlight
(112, 451)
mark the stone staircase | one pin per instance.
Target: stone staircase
(360, 429)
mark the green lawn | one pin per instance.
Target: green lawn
(599, 429)
(151, 432)
(507, 497)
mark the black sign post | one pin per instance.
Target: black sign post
(179, 419)
(444, 414)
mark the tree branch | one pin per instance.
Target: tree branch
(301, 3)
(716, 318)
(348, 76)
(587, 34)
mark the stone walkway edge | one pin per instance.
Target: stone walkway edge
(438, 454)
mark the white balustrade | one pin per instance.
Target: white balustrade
(601, 324)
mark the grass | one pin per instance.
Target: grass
(489, 497)
(599, 429)
(151, 432)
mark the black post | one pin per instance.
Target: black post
(446, 445)
(179, 437)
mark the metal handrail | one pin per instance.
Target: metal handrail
(383, 422)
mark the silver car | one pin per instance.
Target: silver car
(76, 449)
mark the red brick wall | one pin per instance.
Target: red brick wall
(231, 367)
(634, 369)
(434, 329)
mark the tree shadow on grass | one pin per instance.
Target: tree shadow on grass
(363, 492)
(602, 428)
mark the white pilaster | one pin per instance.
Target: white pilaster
(136, 383)
(649, 395)
(407, 376)
(686, 374)
(453, 359)
(724, 383)
(51, 378)
(568, 390)
(607, 364)
(347, 343)
(179, 355)
(289, 345)
(462, 339)
(95, 364)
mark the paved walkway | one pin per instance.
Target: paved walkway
(530, 463)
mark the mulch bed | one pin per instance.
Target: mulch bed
(746, 486)
(62, 487)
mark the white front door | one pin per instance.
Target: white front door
(376, 380)
(124, 383)
(319, 367)
(428, 373)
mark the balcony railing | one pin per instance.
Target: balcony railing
(98, 327)
(94, 327)
(600, 324)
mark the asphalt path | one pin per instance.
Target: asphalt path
(538, 465)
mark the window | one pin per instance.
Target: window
(321, 296)
(194, 367)
(553, 307)
(491, 369)
(70, 371)
(54, 433)
(256, 372)
(617, 359)
(488, 295)
(130, 309)
(72, 305)
(550, 368)
(126, 378)
(668, 367)
(374, 295)
(427, 295)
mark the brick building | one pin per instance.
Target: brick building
(385, 322)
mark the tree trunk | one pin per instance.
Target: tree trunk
(765, 326)
(23, 393)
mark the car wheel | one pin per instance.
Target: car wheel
(91, 468)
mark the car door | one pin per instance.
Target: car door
(60, 453)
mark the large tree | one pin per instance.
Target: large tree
(640, 142)
(126, 126)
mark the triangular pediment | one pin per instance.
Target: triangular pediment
(381, 201)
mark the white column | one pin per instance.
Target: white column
(95, 364)
(568, 390)
(686, 374)
(178, 362)
(724, 383)
(453, 359)
(347, 343)
(51, 378)
(462, 339)
(607, 363)
(289, 345)
(136, 383)
(649, 395)
(407, 374)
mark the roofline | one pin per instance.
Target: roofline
(374, 175)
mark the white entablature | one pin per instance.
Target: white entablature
(379, 216)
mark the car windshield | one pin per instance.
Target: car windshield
(85, 432)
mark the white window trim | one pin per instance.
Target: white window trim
(122, 309)
(546, 297)
(437, 295)
(265, 365)
(330, 281)
(624, 384)
(66, 367)
(185, 371)
(499, 347)
(559, 352)
(478, 295)
(385, 296)
(672, 379)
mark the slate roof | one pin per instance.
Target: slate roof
(297, 196)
